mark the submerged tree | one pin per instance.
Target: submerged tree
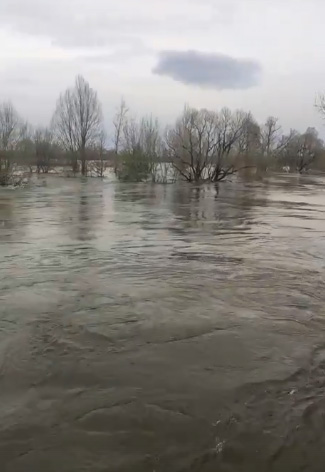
(99, 164)
(270, 136)
(119, 123)
(230, 128)
(9, 125)
(249, 141)
(77, 121)
(301, 150)
(44, 150)
(140, 149)
(24, 153)
(201, 143)
(9, 137)
(191, 143)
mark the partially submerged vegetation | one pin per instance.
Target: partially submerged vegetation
(202, 145)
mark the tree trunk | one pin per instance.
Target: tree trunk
(83, 162)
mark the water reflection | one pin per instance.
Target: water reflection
(83, 214)
(88, 213)
(13, 219)
(7, 218)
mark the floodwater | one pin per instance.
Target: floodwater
(162, 328)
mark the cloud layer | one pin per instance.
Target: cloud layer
(45, 43)
(84, 24)
(208, 70)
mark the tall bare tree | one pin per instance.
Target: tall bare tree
(270, 135)
(77, 120)
(119, 123)
(141, 134)
(9, 137)
(9, 126)
(250, 139)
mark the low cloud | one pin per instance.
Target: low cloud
(208, 70)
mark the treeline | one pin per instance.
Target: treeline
(202, 145)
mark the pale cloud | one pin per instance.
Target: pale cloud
(80, 23)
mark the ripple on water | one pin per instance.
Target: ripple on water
(161, 328)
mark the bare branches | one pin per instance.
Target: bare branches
(301, 149)
(140, 148)
(320, 104)
(250, 140)
(99, 164)
(9, 126)
(9, 138)
(202, 141)
(270, 135)
(44, 149)
(77, 120)
(202, 145)
(191, 143)
(119, 122)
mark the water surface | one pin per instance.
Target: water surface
(162, 328)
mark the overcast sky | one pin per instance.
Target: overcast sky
(266, 56)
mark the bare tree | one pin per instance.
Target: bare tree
(130, 139)
(141, 148)
(250, 140)
(201, 143)
(119, 123)
(270, 136)
(9, 137)
(140, 133)
(320, 104)
(191, 143)
(310, 148)
(77, 120)
(151, 147)
(302, 149)
(230, 129)
(9, 126)
(150, 140)
(274, 144)
(99, 164)
(25, 147)
(285, 142)
(44, 150)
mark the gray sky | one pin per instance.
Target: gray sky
(260, 55)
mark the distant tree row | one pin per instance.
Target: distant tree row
(202, 145)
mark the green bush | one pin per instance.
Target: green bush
(134, 166)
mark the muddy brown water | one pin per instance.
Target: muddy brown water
(162, 328)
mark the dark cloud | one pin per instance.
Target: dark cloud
(208, 70)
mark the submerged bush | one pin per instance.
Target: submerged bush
(9, 177)
(134, 166)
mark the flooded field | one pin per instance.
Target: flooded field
(162, 328)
